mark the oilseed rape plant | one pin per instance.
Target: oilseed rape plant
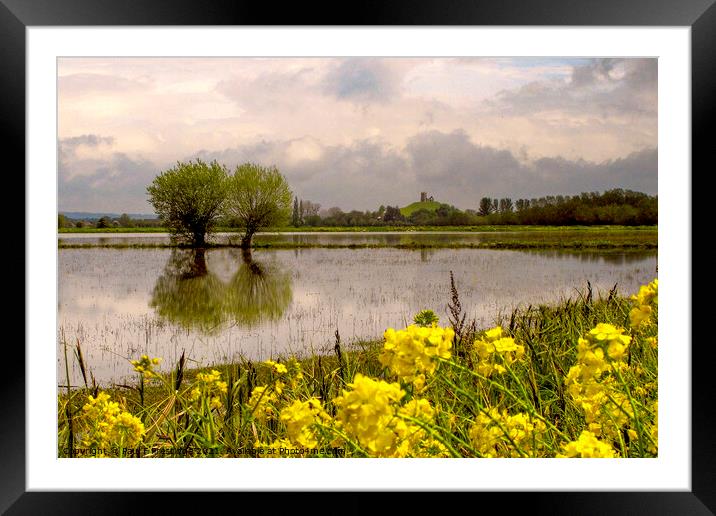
(575, 380)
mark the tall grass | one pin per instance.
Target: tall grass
(525, 411)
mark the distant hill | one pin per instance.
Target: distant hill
(418, 205)
(84, 215)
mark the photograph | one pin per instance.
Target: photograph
(357, 256)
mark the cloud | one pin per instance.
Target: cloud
(362, 80)
(360, 132)
(367, 173)
(270, 90)
(459, 171)
(112, 183)
(605, 87)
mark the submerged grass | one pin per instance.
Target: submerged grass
(494, 244)
(369, 229)
(557, 380)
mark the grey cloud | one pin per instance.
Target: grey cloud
(362, 80)
(368, 173)
(68, 146)
(355, 176)
(601, 86)
(114, 184)
(460, 172)
(91, 140)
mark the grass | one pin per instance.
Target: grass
(465, 410)
(408, 210)
(516, 245)
(370, 229)
(544, 238)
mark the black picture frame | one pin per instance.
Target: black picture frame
(17, 15)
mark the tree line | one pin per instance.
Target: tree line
(193, 198)
(612, 207)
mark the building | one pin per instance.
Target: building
(424, 197)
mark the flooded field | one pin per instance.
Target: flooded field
(220, 304)
(400, 238)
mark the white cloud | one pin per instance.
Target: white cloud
(348, 131)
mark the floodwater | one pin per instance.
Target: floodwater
(387, 238)
(220, 304)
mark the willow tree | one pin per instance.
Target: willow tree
(259, 197)
(188, 198)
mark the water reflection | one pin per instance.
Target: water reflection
(611, 257)
(258, 292)
(188, 294)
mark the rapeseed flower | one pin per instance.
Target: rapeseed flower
(263, 401)
(413, 351)
(108, 425)
(644, 302)
(367, 413)
(145, 365)
(277, 368)
(300, 417)
(587, 446)
(495, 351)
(499, 434)
(210, 386)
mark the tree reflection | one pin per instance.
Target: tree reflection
(190, 295)
(186, 293)
(257, 292)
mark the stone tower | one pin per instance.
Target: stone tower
(423, 196)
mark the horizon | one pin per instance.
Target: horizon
(154, 215)
(345, 131)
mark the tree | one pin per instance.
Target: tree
(188, 198)
(294, 217)
(300, 212)
(259, 197)
(485, 206)
(506, 205)
(125, 221)
(392, 214)
(104, 222)
(62, 221)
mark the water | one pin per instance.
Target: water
(378, 238)
(221, 305)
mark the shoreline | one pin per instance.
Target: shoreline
(588, 245)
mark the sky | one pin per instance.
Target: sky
(358, 133)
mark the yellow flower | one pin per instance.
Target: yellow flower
(367, 411)
(587, 445)
(413, 351)
(262, 403)
(107, 425)
(128, 430)
(592, 381)
(647, 294)
(300, 417)
(145, 365)
(639, 315)
(644, 303)
(499, 434)
(278, 368)
(494, 352)
(210, 386)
